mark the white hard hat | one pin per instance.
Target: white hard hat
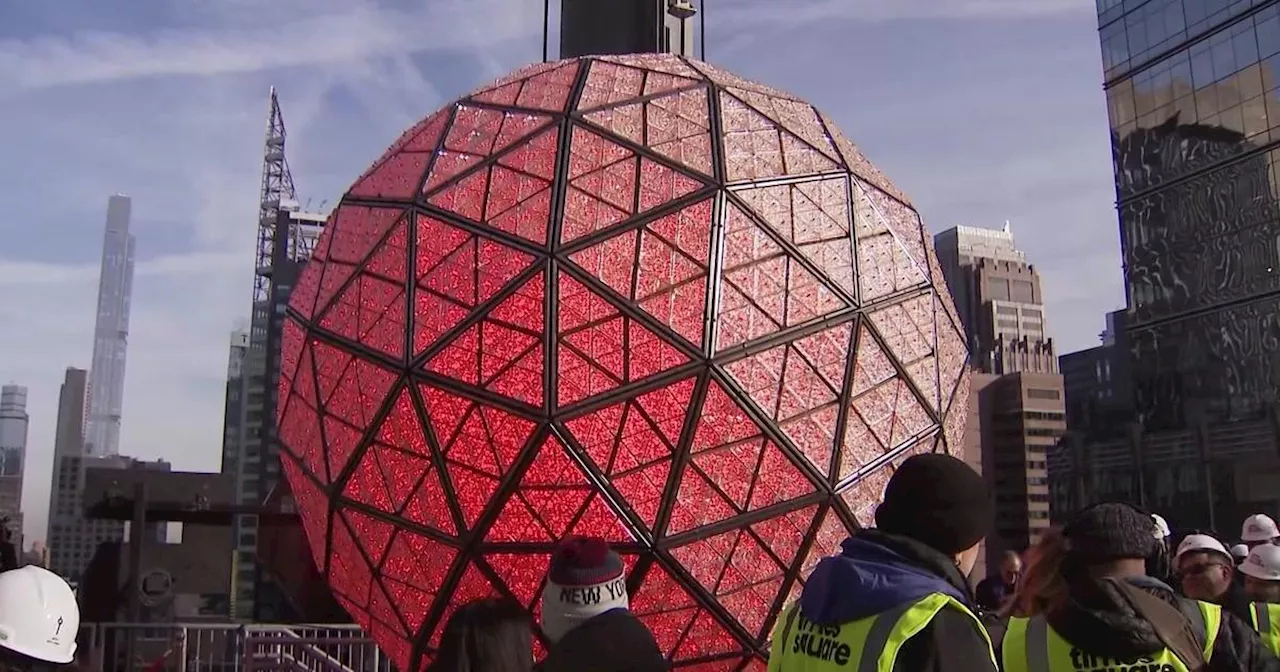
(1241, 551)
(1259, 527)
(39, 617)
(1201, 542)
(1263, 563)
(1162, 527)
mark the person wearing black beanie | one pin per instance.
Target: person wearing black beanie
(1086, 602)
(898, 593)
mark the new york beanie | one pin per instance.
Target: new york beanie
(585, 579)
(939, 501)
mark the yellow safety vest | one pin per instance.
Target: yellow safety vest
(867, 645)
(1030, 645)
(1266, 620)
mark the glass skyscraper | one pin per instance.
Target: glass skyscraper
(111, 332)
(1193, 91)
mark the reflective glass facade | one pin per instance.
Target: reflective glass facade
(1193, 91)
(111, 331)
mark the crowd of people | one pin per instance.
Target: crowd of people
(1104, 592)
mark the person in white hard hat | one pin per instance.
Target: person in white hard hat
(39, 620)
(1162, 527)
(1259, 529)
(1261, 572)
(1240, 552)
(1159, 564)
(1205, 571)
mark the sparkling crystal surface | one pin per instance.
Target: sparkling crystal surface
(634, 297)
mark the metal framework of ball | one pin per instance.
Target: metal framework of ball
(632, 297)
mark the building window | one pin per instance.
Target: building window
(998, 289)
(1038, 393)
(1022, 291)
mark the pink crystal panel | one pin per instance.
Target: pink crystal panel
(632, 297)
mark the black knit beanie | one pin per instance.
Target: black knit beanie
(1110, 531)
(939, 501)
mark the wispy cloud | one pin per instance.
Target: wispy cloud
(341, 32)
(792, 14)
(18, 273)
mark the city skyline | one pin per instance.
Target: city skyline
(953, 135)
(111, 331)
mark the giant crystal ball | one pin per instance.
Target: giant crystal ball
(634, 297)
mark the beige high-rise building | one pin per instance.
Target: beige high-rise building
(997, 294)
(1017, 409)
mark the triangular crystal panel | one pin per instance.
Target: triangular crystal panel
(397, 175)
(456, 272)
(665, 607)
(885, 263)
(633, 445)
(313, 508)
(415, 566)
(476, 134)
(762, 288)
(813, 216)
(661, 267)
(908, 329)
(793, 116)
(601, 348)
(480, 445)
(371, 311)
(756, 148)
(609, 183)
(353, 233)
(554, 495)
(957, 419)
(609, 83)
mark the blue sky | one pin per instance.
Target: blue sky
(981, 110)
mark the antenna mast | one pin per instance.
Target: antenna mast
(277, 186)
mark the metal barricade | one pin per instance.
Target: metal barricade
(227, 647)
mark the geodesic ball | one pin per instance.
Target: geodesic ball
(632, 297)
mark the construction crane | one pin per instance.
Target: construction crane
(277, 190)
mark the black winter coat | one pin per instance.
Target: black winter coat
(1101, 621)
(615, 641)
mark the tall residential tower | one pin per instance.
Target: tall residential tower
(13, 454)
(111, 332)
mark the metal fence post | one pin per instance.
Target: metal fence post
(182, 649)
